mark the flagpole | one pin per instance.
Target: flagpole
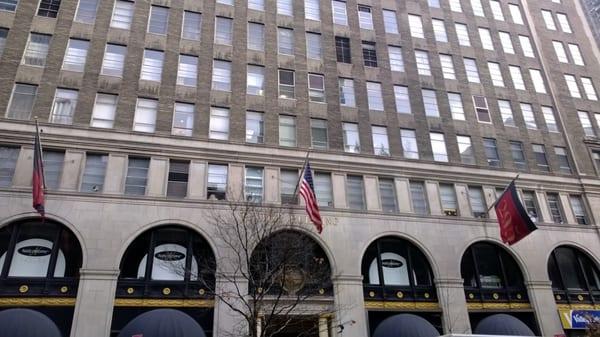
(495, 201)
(39, 138)
(301, 172)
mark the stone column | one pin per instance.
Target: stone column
(546, 311)
(226, 321)
(323, 330)
(350, 305)
(94, 306)
(451, 296)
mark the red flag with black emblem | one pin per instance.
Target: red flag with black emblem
(513, 219)
(38, 184)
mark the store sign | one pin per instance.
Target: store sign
(170, 256)
(578, 319)
(35, 251)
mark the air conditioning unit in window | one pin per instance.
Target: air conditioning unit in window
(450, 212)
(481, 215)
(289, 199)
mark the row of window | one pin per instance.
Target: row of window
(136, 181)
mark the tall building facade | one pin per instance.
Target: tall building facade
(417, 115)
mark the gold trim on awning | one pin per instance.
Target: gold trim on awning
(402, 305)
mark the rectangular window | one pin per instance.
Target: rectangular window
(447, 67)
(351, 138)
(548, 113)
(477, 202)
(538, 81)
(418, 197)
(347, 92)
(342, 49)
(316, 88)
(387, 193)
(596, 158)
(439, 30)
(122, 15)
(223, 31)
(434, 3)
(517, 78)
(21, 101)
(563, 21)
(465, 149)
(381, 146)
(506, 112)
(114, 59)
(323, 189)
(409, 143)
(486, 38)
(572, 85)
(145, 115)
(526, 46)
(3, 36)
(191, 28)
(462, 34)
(562, 159)
(256, 36)
(36, 50)
(313, 46)
(578, 208)
(183, 119)
(219, 123)
(374, 97)
(48, 8)
(225, 2)
(94, 172)
(456, 106)
(588, 88)
(438, 146)
(53, 164)
(86, 11)
(559, 49)
(530, 204)
(491, 152)
(216, 184)
(312, 10)
(554, 207)
(496, 10)
(355, 192)
(416, 26)
(8, 5)
(586, 123)
(506, 43)
(221, 75)
(286, 84)
(430, 103)
(390, 22)
(402, 99)
(285, 7)
(137, 176)
(285, 41)
(255, 127)
(455, 6)
(253, 184)
(496, 74)
(481, 109)
(396, 59)
(515, 14)
(576, 54)
(187, 70)
(540, 157)
(369, 54)
(518, 156)
(63, 107)
(548, 19)
(528, 116)
(287, 131)
(159, 20)
(448, 199)
(477, 8)
(255, 79)
(177, 181)
(152, 65)
(365, 18)
(422, 59)
(318, 134)
(288, 179)
(105, 109)
(340, 16)
(471, 70)
(8, 164)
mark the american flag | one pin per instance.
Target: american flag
(38, 184)
(307, 191)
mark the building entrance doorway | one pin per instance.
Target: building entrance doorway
(301, 327)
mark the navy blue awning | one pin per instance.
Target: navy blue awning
(502, 324)
(405, 325)
(163, 323)
(26, 323)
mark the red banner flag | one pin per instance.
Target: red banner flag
(38, 184)
(514, 222)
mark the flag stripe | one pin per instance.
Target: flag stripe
(307, 191)
(37, 186)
